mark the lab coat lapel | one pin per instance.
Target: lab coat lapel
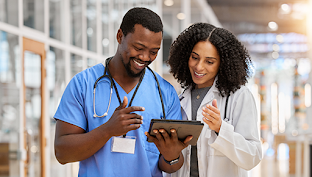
(212, 94)
(185, 101)
(213, 91)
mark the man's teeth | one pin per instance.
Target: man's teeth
(138, 63)
(199, 74)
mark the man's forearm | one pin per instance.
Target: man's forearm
(77, 147)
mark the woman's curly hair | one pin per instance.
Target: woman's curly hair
(235, 61)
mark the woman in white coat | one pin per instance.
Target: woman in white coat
(213, 67)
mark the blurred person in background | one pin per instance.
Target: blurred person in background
(213, 67)
(107, 134)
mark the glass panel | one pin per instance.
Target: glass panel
(126, 6)
(91, 25)
(76, 22)
(153, 7)
(9, 11)
(167, 40)
(91, 62)
(151, 2)
(56, 14)
(33, 14)
(105, 22)
(116, 17)
(9, 104)
(76, 64)
(56, 85)
(32, 66)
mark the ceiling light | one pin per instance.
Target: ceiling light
(273, 26)
(285, 8)
(168, 2)
(181, 16)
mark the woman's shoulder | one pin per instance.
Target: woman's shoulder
(243, 92)
(243, 88)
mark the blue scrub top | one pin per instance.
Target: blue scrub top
(76, 107)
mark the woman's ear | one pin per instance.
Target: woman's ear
(119, 36)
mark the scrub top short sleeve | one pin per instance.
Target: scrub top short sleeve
(71, 107)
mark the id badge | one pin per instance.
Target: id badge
(123, 144)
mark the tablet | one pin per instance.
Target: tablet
(184, 128)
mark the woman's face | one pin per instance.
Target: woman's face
(204, 64)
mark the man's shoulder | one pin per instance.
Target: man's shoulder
(87, 76)
(162, 82)
(91, 72)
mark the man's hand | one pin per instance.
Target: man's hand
(123, 120)
(169, 146)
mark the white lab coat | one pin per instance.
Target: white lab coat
(237, 148)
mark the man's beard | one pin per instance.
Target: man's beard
(128, 68)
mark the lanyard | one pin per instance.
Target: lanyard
(115, 87)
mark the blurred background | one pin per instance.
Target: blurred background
(44, 43)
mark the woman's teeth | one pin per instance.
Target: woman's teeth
(140, 64)
(199, 74)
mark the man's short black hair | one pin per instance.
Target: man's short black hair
(143, 16)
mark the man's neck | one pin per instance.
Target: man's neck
(120, 75)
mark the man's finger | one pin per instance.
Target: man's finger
(159, 136)
(188, 139)
(132, 109)
(131, 116)
(174, 135)
(151, 138)
(133, 121)
(123, 104)
(133, 127)
(165, 134)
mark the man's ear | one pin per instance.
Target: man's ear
(119, 36)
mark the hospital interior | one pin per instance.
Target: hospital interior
(44, 43)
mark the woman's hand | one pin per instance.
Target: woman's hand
(212, 116)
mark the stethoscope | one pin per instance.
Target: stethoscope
(114, 85)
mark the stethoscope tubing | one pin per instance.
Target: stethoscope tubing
(111, 92)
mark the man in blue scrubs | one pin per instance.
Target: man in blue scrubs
(108, 135)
